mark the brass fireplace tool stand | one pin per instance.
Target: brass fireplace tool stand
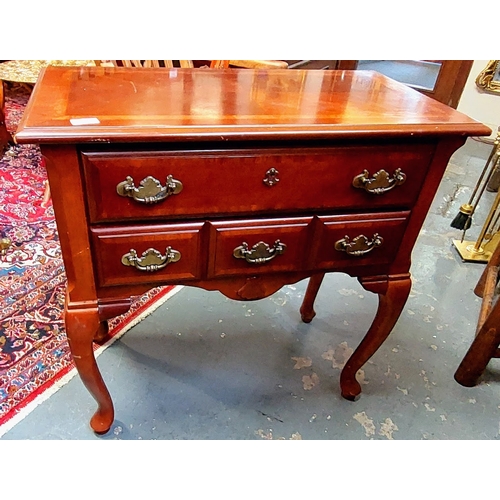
(489, 237)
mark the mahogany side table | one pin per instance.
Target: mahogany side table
(240, 181)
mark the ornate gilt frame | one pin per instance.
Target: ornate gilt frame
(489, 79)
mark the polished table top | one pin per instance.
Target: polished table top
(113, 104)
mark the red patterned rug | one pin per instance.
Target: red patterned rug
(34, 353)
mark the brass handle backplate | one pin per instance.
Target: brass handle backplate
(380, 183)
(359, 246)
(260, 253)
(151, 260)
(150, 189)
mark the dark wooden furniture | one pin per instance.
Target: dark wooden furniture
(484, 347)
(235, 180)
(5, 138)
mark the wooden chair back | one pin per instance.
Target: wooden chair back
(253, 64)
(143, 64)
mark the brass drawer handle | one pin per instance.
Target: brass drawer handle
(151, 260)
(260, 253)
(380, 183)
(150, 189)
(359, 246)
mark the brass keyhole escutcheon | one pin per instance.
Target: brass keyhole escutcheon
(271, 177)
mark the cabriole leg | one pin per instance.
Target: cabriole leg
(307, 311)
(81, 327)
(393, 293)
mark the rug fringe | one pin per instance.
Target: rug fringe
(58, 384)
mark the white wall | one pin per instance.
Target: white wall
(481, 106)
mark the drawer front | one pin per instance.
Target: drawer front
(135, 254)
(245, 182)
(344, 242)
(256, 247)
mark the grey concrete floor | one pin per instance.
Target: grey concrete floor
(419, 74)
(203, 367)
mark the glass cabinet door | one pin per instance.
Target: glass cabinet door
(442, 80)
(421, 75)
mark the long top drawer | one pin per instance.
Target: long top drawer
(141, 185)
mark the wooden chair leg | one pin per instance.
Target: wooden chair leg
(487, 334)
(46, 194)
(494, 261)
(482, 349)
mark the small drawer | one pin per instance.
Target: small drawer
(255, 247)
(151, 254)
(365, 239)
(143, 185)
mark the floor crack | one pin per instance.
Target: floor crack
(269, 416)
